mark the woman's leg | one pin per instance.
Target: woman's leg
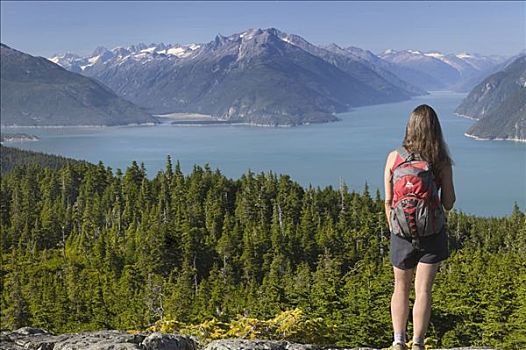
(425, 275)
(400, 299)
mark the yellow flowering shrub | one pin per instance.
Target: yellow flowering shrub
(209, 329)
(166, 326)
(292, 325)
(248, 328)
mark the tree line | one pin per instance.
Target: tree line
(84, 247)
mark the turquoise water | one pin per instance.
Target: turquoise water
(489, 175)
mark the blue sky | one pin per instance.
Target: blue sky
(44, 28)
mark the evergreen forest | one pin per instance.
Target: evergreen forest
(86, 247)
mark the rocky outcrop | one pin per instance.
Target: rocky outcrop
(38, 339)
(34, 338)
(244, 344)
(162, 341)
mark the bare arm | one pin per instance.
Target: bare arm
(388, 186)
(447, 193)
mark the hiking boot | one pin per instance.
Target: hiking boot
(418, 347)
(399, 346)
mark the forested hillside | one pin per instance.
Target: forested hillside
(11, 157)
(86, 248)
(35, 91)
(498, 104)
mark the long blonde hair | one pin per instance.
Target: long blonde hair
(423, 136)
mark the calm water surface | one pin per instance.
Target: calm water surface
(489, 175)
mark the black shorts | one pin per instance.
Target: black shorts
(404, 255)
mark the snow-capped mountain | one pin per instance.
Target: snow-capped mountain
(268, 76)
(448, 71)
(356, 62)
(389, 71)
(138, 53)
(257, 76)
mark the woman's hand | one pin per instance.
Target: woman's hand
(447, 192)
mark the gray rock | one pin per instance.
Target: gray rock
(32, 338)
(469, 348)
(4, 336)
(27, 338)
(37, 339)
(244, 344)
(31, 331)
(101, 340)
(350, 349)
(297, 346)
(168, 342)
(9, 346)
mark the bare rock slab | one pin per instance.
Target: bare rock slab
(162, 341)
(38, 339)
(245, 344)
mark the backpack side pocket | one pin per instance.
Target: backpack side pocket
(399, 223)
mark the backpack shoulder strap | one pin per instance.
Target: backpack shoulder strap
(406, 156)
(401, 157)
(404, 153)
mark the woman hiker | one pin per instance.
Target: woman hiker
(419, 172)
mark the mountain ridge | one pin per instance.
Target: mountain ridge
(268, 77)
(258, 76)
(36, 92)
(498, 104)
(459, 72)
(243, 77)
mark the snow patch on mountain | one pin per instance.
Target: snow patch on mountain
(464, 55)
(435, 54)
(413, 66)
(149, 50)
(93, 60)
(118, 55)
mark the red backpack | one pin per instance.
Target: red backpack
(416, 210)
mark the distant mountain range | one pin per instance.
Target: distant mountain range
(436, 70)
(260, 76)
(412, 70)
(36, 92)
(499, 104)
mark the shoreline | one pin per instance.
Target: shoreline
(74, 126)
(182, 116)
(17, 138)
(477, 138)
(165, 123)
(466, 116)
(226, 123)
(198, 119)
